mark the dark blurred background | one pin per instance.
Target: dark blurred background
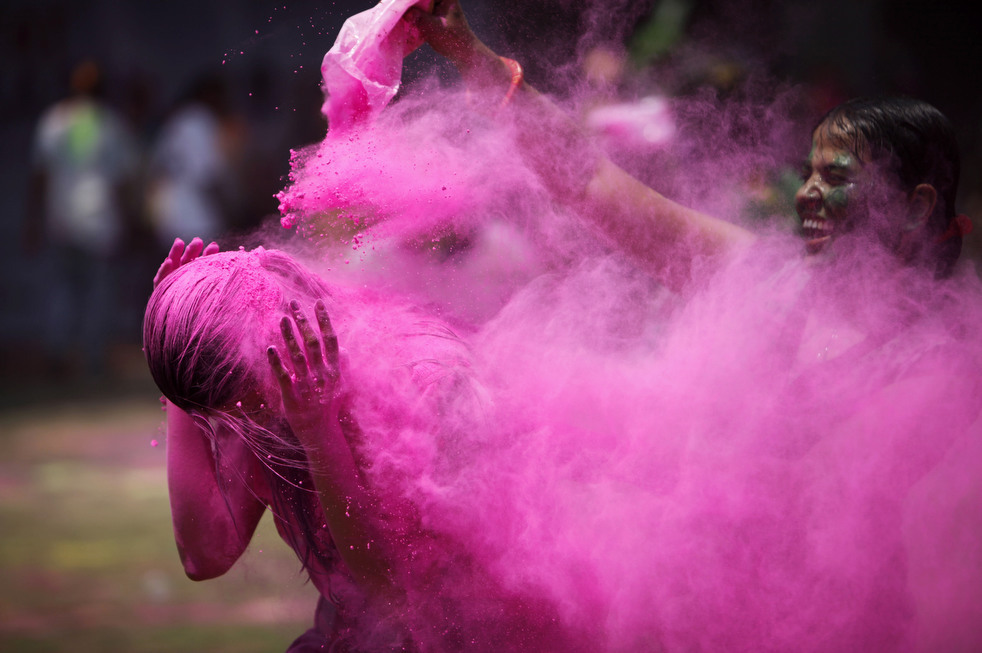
(220, 91)
(252, 69)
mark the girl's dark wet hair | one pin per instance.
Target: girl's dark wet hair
(917, 144)
(205, 333)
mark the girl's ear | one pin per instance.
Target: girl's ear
(920, 205)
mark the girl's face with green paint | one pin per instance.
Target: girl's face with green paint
(840, 190)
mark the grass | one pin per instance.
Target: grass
(87, 556)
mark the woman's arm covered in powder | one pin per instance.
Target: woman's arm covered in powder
(664, 235)
(370, 543)
(214, 520)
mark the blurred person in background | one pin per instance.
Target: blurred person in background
(192, 189)
(83, 168)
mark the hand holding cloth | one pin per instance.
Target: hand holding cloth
(363, 68)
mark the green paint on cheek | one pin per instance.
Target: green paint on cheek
(837, 198)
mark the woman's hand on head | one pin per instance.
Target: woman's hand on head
(180, 255)
(311, 404)
(311, 393)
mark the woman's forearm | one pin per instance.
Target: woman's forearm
(353, 514)
(213, 521)
(315, 407)
(664, 236)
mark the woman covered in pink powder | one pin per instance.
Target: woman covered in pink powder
(260, 416)
(227, 457)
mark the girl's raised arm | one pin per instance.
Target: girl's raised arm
(214, 520)
(215, 508)
(663, 235)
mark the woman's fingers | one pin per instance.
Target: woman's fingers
(292, 346)
(192, 251)
(315, 361)
(180, 254)
(321, 349)
(165, 268)
(330, 363)
(170, 263)
(176, 250)
(280, 373)
(327, 333)
(310, 340)
(312, 347)
(285, 381)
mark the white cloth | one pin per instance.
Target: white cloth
(363, 68)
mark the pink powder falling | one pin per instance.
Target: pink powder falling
(785, 457)
(714, 473)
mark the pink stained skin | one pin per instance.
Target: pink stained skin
(214, 520)
(179, 255)
(312, 404)
(209, 546)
